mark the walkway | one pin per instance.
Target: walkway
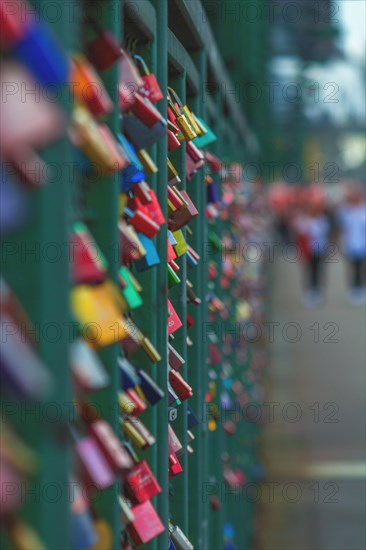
(315, 439)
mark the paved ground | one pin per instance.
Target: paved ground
(318, 460)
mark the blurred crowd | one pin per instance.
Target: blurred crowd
(320, 225)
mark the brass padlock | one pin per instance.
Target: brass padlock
(181, 119)
(147, 162)
(191, 119)
(173, 176)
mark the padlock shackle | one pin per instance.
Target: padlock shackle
(171, 104)
(142, 63)
(175, 95)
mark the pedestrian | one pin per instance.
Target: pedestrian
(352, 221)
(311, 226)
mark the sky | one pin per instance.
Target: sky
(352, 15)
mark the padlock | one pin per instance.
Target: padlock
(176, 361)
(145, 111)
(141, 190)
(131, 246)
(151, 87)
(171, 255)
(115, 454)
(129, 72)
(151, 258)
(104, 533)
(181, 119)
(138, 433)
(214, 162)
(126, 95)
(96, 308)
(15, 211)
(140, 483)
(131, 403)
(174, 323)
(173, 176)
(190, 321)
(195, 153)
(181, 246)
(17, 453)
(129, 292)
(142, 223)
(212, 193)
(126, 512)
(87, 369)
(179, 385)
(175, 199)
(173, 278)
(146, 524)
(173, 141)
(150, 350)
(26, 125)
(87, 87)
(129, 376)
(14, 17)
(38, 50)
(175, 466)
(192, 419)
(147, 162)
(88, 263)
(22, 371)
(179, 539)
(154, 209)
(82, 532)
(103, 50)
(173, 399)
(174, 445)
(151, 390)
(191, 119)
(208, 137)
(97, 474)
(175, 267)
(11, 501)
(23, 536)
(141, 135)
(96, 142)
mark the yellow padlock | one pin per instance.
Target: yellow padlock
(181, 246)
(147, 162)
(98, 310)
(180, 118)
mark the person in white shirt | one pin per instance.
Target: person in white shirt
(312, 229)
(352, 222)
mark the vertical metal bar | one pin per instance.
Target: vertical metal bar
(161, 290)
(179, 500)
(102, 199)
(196, 353)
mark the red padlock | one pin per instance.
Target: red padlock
(175, 466)
(142, 223)
(139, 404)
(145, 111)
(154, 209)
(113, 451)
(173, 141)
(179, 385)
(174, 198)
(143, 192)
(151, 88)
(104, 50)
(175, 360)
(171, 255)
(141, 484)
(146, 524)
(174, 323)
(15, 17)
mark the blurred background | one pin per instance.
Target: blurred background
(299, 71)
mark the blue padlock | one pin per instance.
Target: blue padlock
(83, 534)
(41, 54)
(152, 258)
(212, 194)
(152, 391)
(191, 261)
(192, 419)
(14, 204)
(129, 377)
(134, 172)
